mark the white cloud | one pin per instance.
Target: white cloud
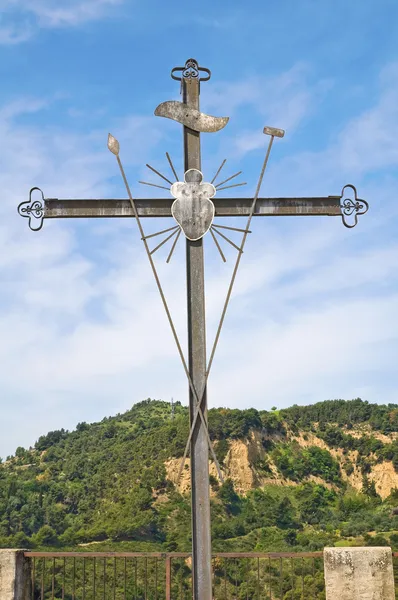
(364, 147)
(13, 33)
(59, 309)
(284, 101)
(82, 329)
(21, 19)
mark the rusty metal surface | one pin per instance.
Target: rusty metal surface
(34, 554)
(168, 578)
(190, 117)
(153, 576)
(165, 555)
(55, 208)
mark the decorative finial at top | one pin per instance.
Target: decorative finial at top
(191, 70)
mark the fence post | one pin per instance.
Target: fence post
(359, 573)
(15, 575)
(168, 577)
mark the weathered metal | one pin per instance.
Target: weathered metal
(228, 187)
(156, 575)
(229, 179)
(352, 207)
(164, 555)
(33, 209)
(231, 228)
(191, 70)
(190, 117)
(159, 174)
(173, 246)
(195, 222)
(218, 170)
(274, 131)
(218, 246)
(114, 147)
(156, 185)
(199, 452)
(192, 208)
(168, 578)
(57, 208)
(172, 166)
(227, 239)
(151, 235)
(169, 237)
(230, 287)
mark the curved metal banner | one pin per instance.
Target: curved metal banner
(190, 117)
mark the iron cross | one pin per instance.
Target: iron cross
(194, 206)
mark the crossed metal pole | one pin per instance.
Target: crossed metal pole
(194, 208)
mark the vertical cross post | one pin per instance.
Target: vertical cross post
(200, 496)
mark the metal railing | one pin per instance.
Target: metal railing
(168, 576)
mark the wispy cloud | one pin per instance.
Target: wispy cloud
(62, 290)
(82, 329)
(21, 19)
(13, 33)
(286, 98)
(363, 147)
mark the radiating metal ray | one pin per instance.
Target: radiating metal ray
(164, 241)
(229, 179)
(162, 187)
(159, 174)
(172, 166)
(231, 228)
(227, 187)
(218, 172)
(228, 240)
(218, 245)
(173, 246)
(160, 232)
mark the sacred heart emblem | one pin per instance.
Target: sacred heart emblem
(192, 209)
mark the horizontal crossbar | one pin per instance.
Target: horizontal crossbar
(225, 207)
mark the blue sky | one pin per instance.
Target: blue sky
(313, 315)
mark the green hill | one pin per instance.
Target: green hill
(295, 479)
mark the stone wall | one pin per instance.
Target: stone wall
(359, 574)
(15, 578)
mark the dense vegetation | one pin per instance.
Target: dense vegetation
(106, 482)
(380, 417)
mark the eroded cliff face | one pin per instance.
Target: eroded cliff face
(244, 456)
(384, 477)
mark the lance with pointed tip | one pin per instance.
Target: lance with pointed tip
(114, 147)
(272, 131)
